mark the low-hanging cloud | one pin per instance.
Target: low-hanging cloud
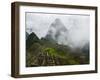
(77, 25)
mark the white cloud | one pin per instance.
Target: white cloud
(77, 25)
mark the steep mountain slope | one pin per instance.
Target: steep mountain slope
(57, 32)
(27, 35)
(32, 38)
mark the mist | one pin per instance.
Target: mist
(77, 27)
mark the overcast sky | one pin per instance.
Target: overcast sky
(77, 25)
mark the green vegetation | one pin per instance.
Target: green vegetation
(46, 52)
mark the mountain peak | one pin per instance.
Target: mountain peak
(57, 31)
(32, 38)
(58, 24)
